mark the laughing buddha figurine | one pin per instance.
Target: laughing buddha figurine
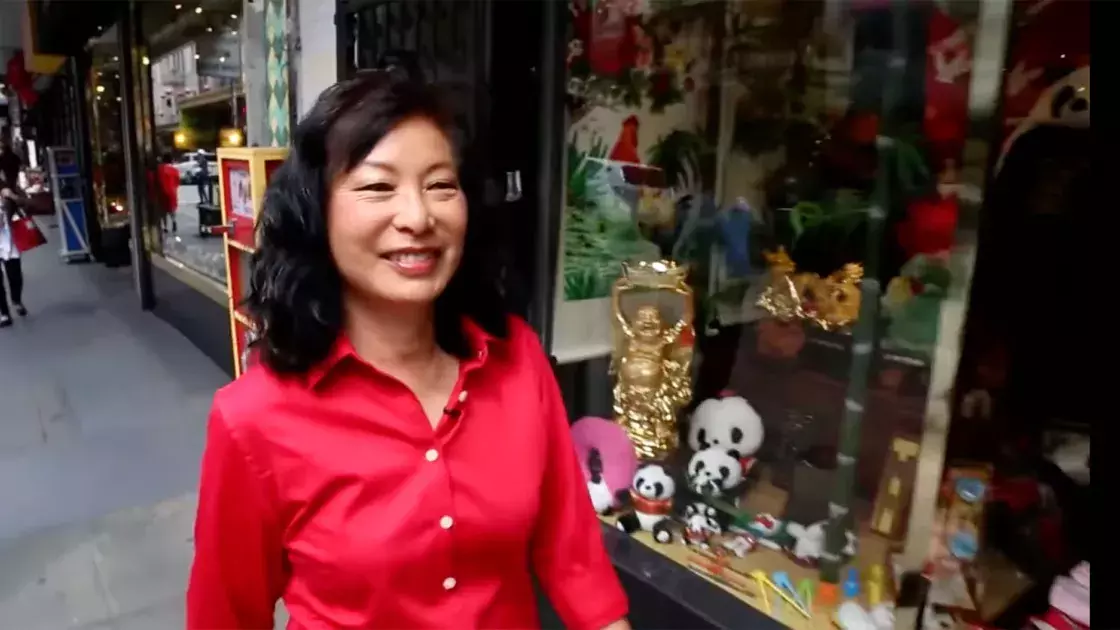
(652, 361)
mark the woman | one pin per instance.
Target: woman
(10, 264)
(400, 457)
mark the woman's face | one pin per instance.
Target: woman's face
(397, 221)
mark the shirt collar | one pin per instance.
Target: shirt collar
(343, 351)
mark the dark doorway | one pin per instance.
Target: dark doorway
(487, 56)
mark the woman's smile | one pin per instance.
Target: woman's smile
(414, 262)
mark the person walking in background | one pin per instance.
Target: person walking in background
(9, 259)
(204, 195)
(10, 165)
(168, 181)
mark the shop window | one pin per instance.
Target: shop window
(191, 92)
(106, 143)
(761, 202)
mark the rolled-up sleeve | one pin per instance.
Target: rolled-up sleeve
(238, 570)
(569, 558)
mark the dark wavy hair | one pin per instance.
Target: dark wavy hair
(295, 289)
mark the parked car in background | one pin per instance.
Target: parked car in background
(188, 167)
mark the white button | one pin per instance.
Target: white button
(449, 584)
(463, 396)
(432, 455)
(446, 522)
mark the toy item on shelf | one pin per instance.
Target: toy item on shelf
(782, 580)
(965, 512)
(728, 423)
(713, 472)
(807, 543)
(892, 502)
(852, 616)
(875, 585)
(765, 585)
(719, 570)
(740, 544)
(1069, 602)
(766, 528)
(912, 303)
(651, 494)
(607, 458)
(851, 583)
(701, 525)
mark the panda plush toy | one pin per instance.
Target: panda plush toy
(701, 522)
(651, 495)
(724, 434)
(728, 423)
(713, 471)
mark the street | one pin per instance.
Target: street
(102, 418)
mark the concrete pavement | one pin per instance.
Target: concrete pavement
(102, 417)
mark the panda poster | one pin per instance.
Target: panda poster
(1049, 51)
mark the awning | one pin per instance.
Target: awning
(62, 27)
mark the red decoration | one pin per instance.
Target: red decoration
(21, 81)
(626, 146)
(929, 226)
(948, 72)
(1053, 36)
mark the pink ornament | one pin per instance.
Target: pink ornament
(617, 453)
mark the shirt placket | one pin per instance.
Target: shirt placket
(455, 414)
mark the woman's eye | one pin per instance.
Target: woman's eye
(378, 187)
(444, 186)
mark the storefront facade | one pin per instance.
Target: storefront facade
(821, 192)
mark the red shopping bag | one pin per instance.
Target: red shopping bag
(26, 235)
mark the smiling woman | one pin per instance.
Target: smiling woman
(349, 473)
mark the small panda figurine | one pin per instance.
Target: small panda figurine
(652, 496)
(700, 524)
(714, 471)
(728, 423)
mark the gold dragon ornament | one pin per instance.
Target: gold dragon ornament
(652, 361)
(831, 302)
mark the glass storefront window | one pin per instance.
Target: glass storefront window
(194, 100)
(106, 143)
(799, 164)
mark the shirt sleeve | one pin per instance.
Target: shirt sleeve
(569, 558)
(238, 572)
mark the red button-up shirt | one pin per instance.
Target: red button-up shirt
(333, 492)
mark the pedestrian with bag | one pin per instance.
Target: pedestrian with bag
(10, 263)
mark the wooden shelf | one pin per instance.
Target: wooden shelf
(242, 246)
(244, 319)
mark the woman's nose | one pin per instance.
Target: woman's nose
(413, 215)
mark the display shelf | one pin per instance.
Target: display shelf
(244, 319)
(243, 177)
(237, 244)
(873, 550)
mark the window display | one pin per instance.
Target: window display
(761, 202)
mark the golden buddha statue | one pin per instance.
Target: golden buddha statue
(652, 362)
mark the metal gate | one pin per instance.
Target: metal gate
(442, 41)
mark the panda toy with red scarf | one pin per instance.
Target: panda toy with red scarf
(651, 498)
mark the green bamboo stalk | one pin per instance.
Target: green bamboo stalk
(866, 331)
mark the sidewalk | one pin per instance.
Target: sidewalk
(102, 417)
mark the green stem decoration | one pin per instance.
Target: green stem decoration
(865, 333)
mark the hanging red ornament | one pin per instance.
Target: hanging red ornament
(20, 80)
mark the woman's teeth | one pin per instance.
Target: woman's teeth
(412, 258)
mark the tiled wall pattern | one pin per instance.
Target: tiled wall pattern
(276, 40)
